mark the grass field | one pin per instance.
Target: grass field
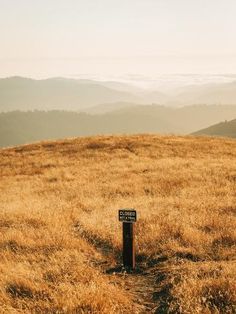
(60, 239)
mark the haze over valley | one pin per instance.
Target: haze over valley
(34, 110)
(19, 93)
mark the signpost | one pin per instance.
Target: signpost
(128, 217)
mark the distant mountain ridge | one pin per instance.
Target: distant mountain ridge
(25, 127)
(182, 120)
(224, 93)
(66, 94)
(18, 93)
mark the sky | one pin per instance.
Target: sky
(117, 38)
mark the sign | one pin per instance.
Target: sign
(127, 215)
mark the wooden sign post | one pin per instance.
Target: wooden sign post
(128, 217)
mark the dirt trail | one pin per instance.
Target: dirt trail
(141, 288)
(146, 285)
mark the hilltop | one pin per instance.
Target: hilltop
(226, 128)
(61, 240)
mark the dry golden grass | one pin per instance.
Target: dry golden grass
(59, 228)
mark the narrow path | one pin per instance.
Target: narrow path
(142, 289)
(146, 285)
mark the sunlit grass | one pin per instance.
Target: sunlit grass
(184, 190)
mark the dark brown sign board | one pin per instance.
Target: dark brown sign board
(127, 215)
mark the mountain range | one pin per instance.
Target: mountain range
(34, 110)
(218, 94)
(18, 93)
(25, 127)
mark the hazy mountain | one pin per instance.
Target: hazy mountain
(110, 107)
(124, 87)
(193, 118)
(25, 127)
(156, 97)
(207, 94)
(18, 93)
(182, 120)
(226, 128)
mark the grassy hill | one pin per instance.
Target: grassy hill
(227, 128)
(61, 240)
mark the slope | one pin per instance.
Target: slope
(227, 128)
(60, 240)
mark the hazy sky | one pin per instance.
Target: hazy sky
(116, 37)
